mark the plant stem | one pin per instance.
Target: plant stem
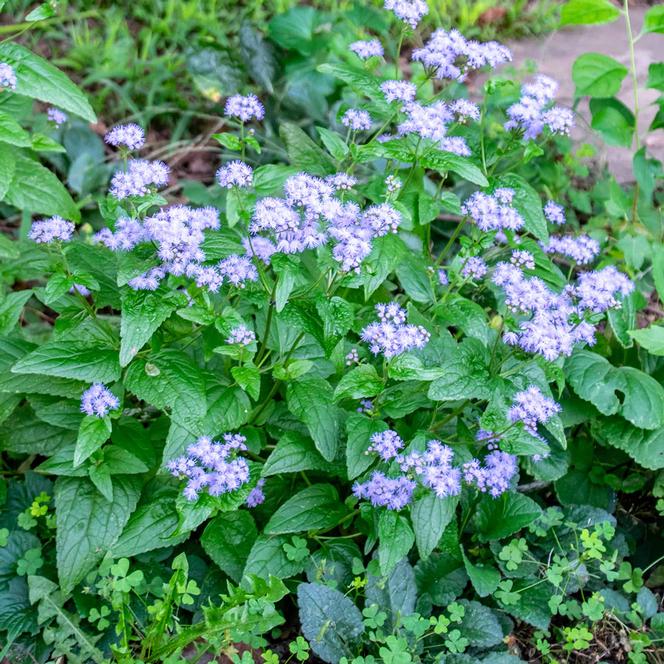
(635, 86)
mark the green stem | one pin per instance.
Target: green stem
(635, 86)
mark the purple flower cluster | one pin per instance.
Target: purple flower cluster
(235, 174)
(366, 49)
(7, 77)
(434, 469)
(554, 213)
(535, 111)
(244, 108)
(241, 335)
(582, 249)
(386, 444)
(356, 119)
(403, 91)
(494, 476)
(465, 110)
(46, 231)
(130, 136)
(408, 11)
(523, 259)
(237, 270)
(551, 331)
(141, 175)
(352, 357)
(177, 232)
(392, 336)
(452, 56)
(80, 289)
(256, 496)
(392, 184)
(431, 122)
(597, 291)
(56, 116)
(382, 491)
(474, 268)
(531, 407)
(212, 465)
(98, 401)
(558, 320)
(310, 215)
(341, 181)
(493, 212)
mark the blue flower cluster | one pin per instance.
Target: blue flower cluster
(392, 336)
(212, 466)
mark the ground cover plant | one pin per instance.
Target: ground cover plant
(388, 390)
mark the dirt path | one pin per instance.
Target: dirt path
(555, 54)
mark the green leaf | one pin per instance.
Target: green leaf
(257, 56)
(142, 314)
(485, 578)
(334, 143)
(228, 539)
(33, 187)
(11, 132)
(315, 508)
(446, 161)
(38, 79)
(643, 403)
(92, 434)
(395, 594)
(656, 76)
(466, 375)
(294, 29)
(528, 204)
(645, 447)
(651, 338)
(330, 621)
(249, 379)
(586, 12)
(415, 279)
(100, 476)
(386, 254)
(293, 453)
(303, 152)
(358, 79)
(360, 429)
(7, 168)
(497, 518)
(479, 625)
(26, 434)
(594, 379)
(152, 526)
(396, 539)
(170, 379)
(10, 310)
(71, 359)
(613, 120)
(43, 11)
(597, 75)
(267, 557)
(653, 21)
(228, 140)
(311, 400)
(430, 516)
(88, 524)
(362, 381)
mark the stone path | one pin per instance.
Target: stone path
(555, 54)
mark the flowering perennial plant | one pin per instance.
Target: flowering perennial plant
(367, 352)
